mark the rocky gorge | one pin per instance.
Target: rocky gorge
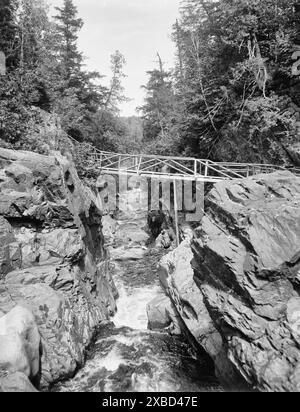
(235, 286)
(129, 354)
(76, 287)
(64, 264)
(55, 283)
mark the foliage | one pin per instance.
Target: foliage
(46, 71)
(9, 42)
(115, 94)
(68, 25)
(131, 139)
(159, 112)
(17, 96)
(230, 97)
(233, 78)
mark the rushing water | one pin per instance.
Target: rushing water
(127, 357)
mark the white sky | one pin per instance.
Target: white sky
(138, 28)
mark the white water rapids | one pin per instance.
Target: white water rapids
(127, 357)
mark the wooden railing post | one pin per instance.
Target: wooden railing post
(206, 169)
(139, 165)
(176, 213)
(248, 171)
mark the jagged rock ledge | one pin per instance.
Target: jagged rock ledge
(236, 286)
(53, 264)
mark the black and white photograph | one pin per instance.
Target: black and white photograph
(149, 199)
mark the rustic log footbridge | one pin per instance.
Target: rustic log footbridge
(173, 168)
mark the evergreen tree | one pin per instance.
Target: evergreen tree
(107, 129)
(233, 79)
(33, 29)
(77, 96)
(159, 109)
(115, 95)
(46, 72)
(9, 44)
(68, 26)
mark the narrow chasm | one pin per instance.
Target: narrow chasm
(126, 356)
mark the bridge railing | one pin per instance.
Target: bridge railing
(181, 166)
(165, 166)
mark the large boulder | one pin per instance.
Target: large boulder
(243, 289)
(109, 228)
(177, 279)
(20, 342)
(162, 315)
(13, 355)
(124, 254)
(130, 234)
(15, 383)
(52, 256)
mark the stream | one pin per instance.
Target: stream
(126, 357)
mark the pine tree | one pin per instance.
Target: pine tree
(34, 28)
(233, 71)
(9, 32)
(159, 103)
(115, 94)
(76, 89)
(68, 26)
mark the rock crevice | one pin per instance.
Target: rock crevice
(52, 257)
(240, 275)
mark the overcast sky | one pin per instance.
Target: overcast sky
(138, 28)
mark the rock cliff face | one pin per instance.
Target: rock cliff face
(52, 257)
(237, 285)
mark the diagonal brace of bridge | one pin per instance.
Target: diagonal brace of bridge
(175, 168)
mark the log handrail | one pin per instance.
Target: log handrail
(187, 167)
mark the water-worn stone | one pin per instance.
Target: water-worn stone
(127, 254)
(244, 285)
(133, 203)
(130, 234)
(177, 279)
(162, 315)
(52, 256)
(16, 383)
(20, 342)
(166, 239)
(13, 355)
(109, 228)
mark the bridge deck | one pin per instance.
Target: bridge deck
(176, 168)
(172, 168)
